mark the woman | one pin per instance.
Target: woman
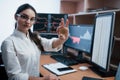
(21, 51)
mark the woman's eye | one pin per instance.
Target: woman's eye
(33, 19)
(24, 17)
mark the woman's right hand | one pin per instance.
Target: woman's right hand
(51, 77)
(46, 77)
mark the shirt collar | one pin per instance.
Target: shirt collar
(20, 34)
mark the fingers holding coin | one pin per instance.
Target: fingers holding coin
(63, 28)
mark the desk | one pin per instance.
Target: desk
(45, 59)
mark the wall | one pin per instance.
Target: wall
(68, 7)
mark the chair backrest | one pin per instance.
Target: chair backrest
(3, 74)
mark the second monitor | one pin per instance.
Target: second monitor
(80, 38)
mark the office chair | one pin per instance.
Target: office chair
(3, 74)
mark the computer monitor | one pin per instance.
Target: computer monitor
(48, 23)
(80, 38)
(102, 43)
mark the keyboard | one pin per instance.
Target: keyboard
(65, 60)
(90, 78)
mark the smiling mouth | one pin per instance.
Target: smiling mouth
(25, 25)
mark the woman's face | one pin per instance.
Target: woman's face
(25, 20)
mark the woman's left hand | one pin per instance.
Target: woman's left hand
(63, 30)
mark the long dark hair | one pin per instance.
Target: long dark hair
(33, 35)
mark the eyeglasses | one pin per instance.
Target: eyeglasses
(25, 17)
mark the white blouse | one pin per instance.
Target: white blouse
(21, 56)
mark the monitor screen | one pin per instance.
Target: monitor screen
(48, 23)
(41, 24)
(102, 44)
(80, 37)
(117, 76)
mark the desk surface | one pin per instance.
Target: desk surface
(45, 59)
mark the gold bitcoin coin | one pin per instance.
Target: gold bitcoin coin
(63, 30)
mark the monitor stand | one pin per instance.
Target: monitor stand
(102, 73)
(80, 58)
